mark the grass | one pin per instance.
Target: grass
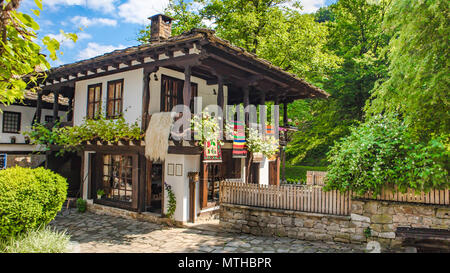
(44, 240)
(298, 173)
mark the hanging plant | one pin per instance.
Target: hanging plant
(206, 128)
(70, 138)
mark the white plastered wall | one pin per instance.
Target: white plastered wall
(27, 114)
(180, 184)
(132, 95)
(205, 91)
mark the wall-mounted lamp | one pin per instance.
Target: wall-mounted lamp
(214, 92)
(155, 77)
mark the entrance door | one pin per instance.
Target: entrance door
(274, 175)
(154, 188)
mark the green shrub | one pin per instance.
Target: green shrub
(81, 205)
(381, 153)
(29, 198)
(45, 240)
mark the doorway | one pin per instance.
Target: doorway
(154, 188)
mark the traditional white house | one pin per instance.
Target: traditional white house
(17, 118)
(140, 81)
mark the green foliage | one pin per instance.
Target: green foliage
(356, 36)
(20, 54)
(42, 240)
(381, 153)
(81, 205)
(172, 202)
(29, 198)
(419, 81)
(70, 138)
(100, 192)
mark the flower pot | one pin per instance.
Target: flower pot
(99, 197)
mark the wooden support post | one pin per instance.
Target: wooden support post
(38, 108)
(55, 105)
(187, 86)
(220, 97)
(283, 159)
(70, 113)
(246, 91)
(193, 180)
(263, 114)
(204, 185)
(145, 99)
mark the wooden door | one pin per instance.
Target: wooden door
(274, 172)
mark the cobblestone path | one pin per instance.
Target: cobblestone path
(101, 233)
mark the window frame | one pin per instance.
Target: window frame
(99, 102)
(114, 99)
(19, 122)
(179, 93)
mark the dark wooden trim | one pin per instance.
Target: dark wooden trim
(114, 82)
(187, 150)
(55, 105)
(87, 100)
(203, 184)
(116, 149)
(187, 86)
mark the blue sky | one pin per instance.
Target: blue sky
(106, 24)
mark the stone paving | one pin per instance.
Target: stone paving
(101, 233)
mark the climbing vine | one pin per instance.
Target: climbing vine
(172, 201)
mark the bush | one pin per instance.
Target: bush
(43, 240)
(29, 198)
(81, 205)
(381, 153)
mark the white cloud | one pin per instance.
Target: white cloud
(310, 6)
(137, 11)
(82, 21)
(66, 42)
(100, 5)
(94, 49)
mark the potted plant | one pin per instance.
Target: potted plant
(13, 139)
(100, 193)
(27, 140)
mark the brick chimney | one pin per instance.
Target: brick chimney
(161, 27)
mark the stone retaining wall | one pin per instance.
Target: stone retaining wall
(369, 221)
(382, 218)
(284, 223)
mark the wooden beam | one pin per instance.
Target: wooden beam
(55, 105)
(38, 108)
(187, 86)
(220, 96)
(146, 95)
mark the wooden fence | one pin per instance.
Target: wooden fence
(298, 198)
(435, 197)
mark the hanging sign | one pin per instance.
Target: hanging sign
(212, 152)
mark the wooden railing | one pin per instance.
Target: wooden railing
(299, 198)
(435, 197)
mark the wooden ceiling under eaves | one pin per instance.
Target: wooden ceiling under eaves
(209, 58)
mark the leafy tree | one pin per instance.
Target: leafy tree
(21, 59)
(357, 37)
(269, 28)
(419, 83)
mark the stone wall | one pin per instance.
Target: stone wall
(369, 221)
(294, 224)
(25, 160)
(383, 218)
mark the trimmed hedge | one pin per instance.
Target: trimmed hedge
(29, 198)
